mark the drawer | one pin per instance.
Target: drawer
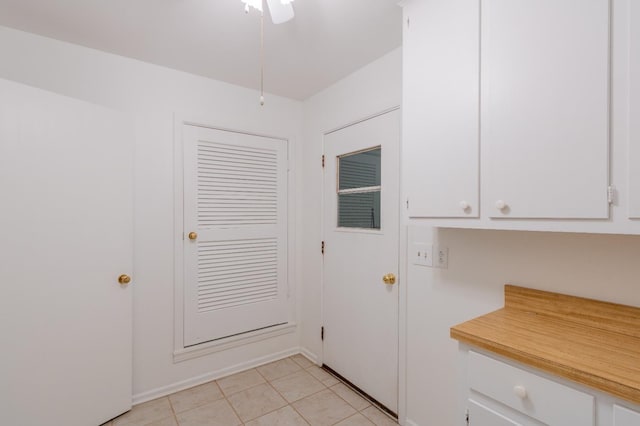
(625, 417)
(537, 397)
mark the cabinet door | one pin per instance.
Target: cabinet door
(625, 417)
(545, 108)
(634, 110)
(479, 415)
(440, 107)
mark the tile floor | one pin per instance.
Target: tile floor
(292, 391)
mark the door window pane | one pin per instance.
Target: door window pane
(360, 210)
(360, 170)
(359, 189)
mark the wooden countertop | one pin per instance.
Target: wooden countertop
(590, 342)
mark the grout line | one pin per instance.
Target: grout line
(173, 410)
(234, 410)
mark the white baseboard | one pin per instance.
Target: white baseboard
(408, 422)
(214, 375)
(310, 356)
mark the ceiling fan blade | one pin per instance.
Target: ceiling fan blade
(280, 12)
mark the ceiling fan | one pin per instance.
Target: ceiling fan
(280, 10)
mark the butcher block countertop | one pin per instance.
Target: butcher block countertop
(587, 341)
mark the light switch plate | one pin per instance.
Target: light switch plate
(422, 254)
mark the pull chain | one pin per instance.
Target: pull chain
(262, 58)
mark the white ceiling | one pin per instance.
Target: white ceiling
(327, 40)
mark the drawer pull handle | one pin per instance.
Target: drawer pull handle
(520, 392)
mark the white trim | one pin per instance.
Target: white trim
(178, 194)
(361, 190)
(207, 348)
(369, 117)
(214, 375)
(310, 356)
(408, 422)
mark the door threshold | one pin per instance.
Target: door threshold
(360, 392)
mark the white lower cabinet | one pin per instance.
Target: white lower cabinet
(512, 396)
(625, 417)
(485, 416)
(497, 393)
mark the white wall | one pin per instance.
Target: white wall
(370, 90)
(151, 94)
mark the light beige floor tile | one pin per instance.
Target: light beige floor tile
(302, 361)
(286, 416)
(171, 421)
(355, 400)
(195, 397)
(277, 369)
(143, 414)
(255, 402)
(323, 408)
(217, 413)
(297, 386)
(377, 417)
(326, 378)
(241, 381)
(355, 420)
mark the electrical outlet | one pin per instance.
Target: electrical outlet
(422, 254)
(441, 257)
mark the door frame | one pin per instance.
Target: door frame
(402, 258)
(180, 353)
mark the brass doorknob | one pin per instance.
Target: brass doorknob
(193, 235)
(124, 279)
(389, 279)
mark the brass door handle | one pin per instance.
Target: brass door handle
(124, 279)
(389, 279)
(193, 236)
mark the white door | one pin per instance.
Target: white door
(65, 238)
(235, 233)
(361, 211)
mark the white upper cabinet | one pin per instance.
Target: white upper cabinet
(634, 110)
(440, 107)
(545, 109)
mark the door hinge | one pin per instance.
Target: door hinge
(323, 161)
(610, 194)
(322, 247)
(322, 333)
(467, 417)
(407, 204)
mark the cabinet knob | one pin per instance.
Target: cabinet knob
(464, 205)
(520, 391)
(500, 205)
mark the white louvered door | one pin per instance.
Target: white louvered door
(235, 199)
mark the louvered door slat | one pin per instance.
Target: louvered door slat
(235, 197)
